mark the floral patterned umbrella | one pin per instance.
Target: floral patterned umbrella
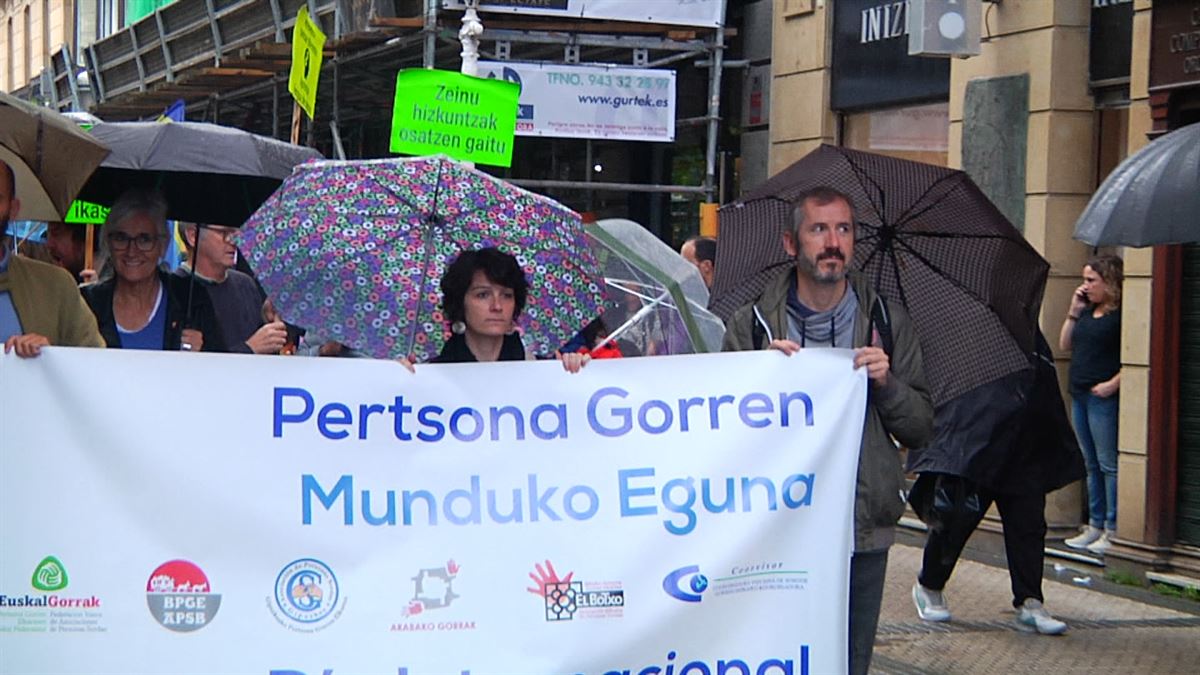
(354, 250)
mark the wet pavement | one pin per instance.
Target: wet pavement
(1113, 629)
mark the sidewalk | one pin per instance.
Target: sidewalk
(1112, 629)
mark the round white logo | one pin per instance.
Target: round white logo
(951, 25)
(306, 591)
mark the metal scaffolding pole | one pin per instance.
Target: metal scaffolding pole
(429, 56)
(469, 34)
(714, 108)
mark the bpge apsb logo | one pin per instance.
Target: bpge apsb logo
(689, 584)
(565, 599)
(307, 596)
(180, 598)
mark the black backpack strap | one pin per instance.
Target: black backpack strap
(881, 322)
(760, 335)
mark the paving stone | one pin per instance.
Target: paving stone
(1108, 634)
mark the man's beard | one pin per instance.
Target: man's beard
(812, 269)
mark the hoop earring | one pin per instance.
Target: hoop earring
(458, 328)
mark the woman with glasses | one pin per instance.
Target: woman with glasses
(137, 303)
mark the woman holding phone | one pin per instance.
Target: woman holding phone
(1092, 332)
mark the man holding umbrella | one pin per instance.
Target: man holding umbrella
(39, 303)
(823, 304)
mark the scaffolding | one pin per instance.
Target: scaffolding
(228, 61)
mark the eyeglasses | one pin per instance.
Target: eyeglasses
(119, 241)
(225, 234)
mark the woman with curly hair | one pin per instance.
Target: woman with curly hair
(1092, 331)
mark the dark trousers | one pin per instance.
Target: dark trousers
(867, 570)
(1024, 521)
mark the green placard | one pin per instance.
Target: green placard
(464, 117)
(308, 44)
(86, 212)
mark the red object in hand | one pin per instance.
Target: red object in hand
(604, 350)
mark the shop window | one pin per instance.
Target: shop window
(1112, 134)
(919, 133)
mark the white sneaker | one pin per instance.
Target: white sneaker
(1033, 617)
(931, 605)
(1086, 537)
(1101, 545)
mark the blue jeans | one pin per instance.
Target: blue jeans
(1096, 427)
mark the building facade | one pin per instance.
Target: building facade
(30, 32)
(1060, 92)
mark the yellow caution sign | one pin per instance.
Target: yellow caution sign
(308, 43)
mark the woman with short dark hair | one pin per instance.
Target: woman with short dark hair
(483, 294)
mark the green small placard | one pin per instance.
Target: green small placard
(86, 213)
(308, 43)
(467, 118)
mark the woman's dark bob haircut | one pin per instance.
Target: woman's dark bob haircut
(498, 266)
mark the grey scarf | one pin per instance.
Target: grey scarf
(831, 328)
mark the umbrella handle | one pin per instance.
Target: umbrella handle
(636, 317)
(89, 243)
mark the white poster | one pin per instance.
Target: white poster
(708, 13)
(627, 104)
(922, 128)
(208, 513)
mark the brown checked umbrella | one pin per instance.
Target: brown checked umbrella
(50, 157)
(927, 237)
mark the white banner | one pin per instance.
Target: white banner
(676, 12)
(206, 513)
(628, 104)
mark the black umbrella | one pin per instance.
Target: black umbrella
(927, 237)
(1153, 197)
(208, 173)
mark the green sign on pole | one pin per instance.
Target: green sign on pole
(464, 117)
(308, 44)
(86, 213)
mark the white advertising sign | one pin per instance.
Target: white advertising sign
(707, 13)
(627, 104)
(209, 513)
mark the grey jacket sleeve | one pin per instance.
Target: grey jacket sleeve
(905, 406)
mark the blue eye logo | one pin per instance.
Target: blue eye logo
(686, 583)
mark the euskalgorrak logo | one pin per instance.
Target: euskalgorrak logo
(49, 609)
(307, 596)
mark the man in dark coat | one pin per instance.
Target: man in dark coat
(1007, 442)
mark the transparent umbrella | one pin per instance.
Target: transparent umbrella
(657, 299)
